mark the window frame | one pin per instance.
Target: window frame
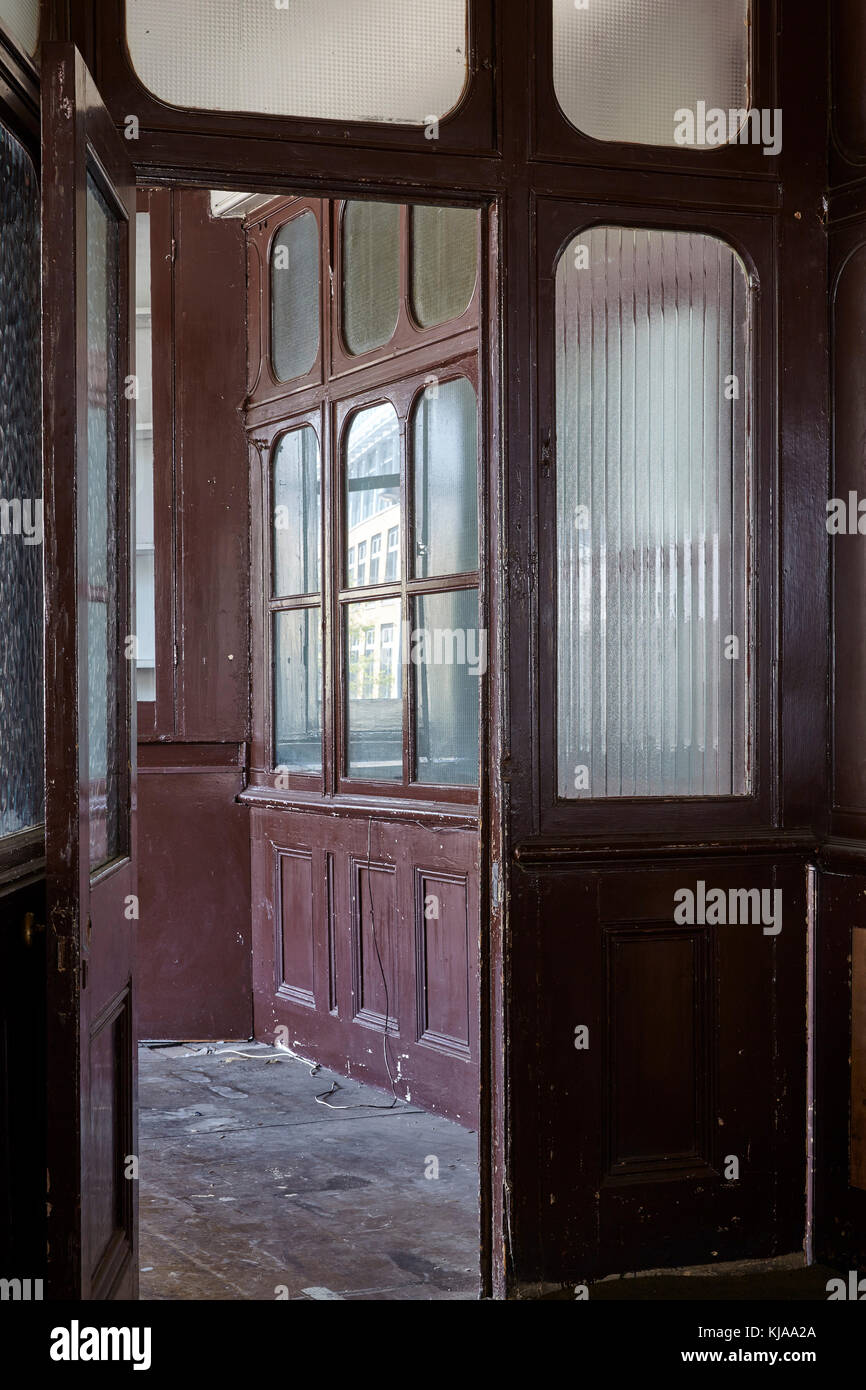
(600, 818)
(408, 335)
(555, 138)
(470, 128)
(403, 395)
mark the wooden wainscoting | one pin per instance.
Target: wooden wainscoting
(354, 921)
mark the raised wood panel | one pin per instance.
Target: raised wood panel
(375, 987)
(194, 969)
(858, 1058)
(310, 875)
(848, 552)
(109, 1234)
(295, 945)
(443, 972)
(657, 1077)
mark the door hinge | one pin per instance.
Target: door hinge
(172, 253)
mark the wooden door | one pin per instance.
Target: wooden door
(88, 230)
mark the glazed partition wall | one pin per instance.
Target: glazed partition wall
(369, 653)
(656, 714)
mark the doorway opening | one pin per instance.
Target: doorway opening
(312, 680)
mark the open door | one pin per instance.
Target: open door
(88, 229)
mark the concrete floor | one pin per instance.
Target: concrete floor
(252, 1190)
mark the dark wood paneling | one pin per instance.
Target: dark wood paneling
(211, 500)
(443, 962)
(848, 552)
(697, 1052)
(294, 917)
(840, 1203)
(657, 1077)
(374, 945)
(336, 1009)
(858, 1059)
(194, 954)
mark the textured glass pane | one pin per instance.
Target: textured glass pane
(444, 262)
(296, 499)
(104, 644)
(445, 460)
(383, 60)
(652, 382)
(295, 297)
(449, 655)
(622, 69)
(145, 594)
(298, 690)
(374, 689)
(20, 18)
(371, 274)
(372, 483)
(21, 756)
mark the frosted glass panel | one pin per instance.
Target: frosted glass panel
(371, 274)
(21, 757)
(295, 297)
(448, 655)
(383, 60)
(20, 18)
(445, 463)
(372, 497)
(652, 384)
(103, 639)
(374, 687)
(444, 262)
(298, 689)
(145, 593)
(623, 68)
(297, 507)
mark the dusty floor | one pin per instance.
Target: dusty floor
(252, 1190)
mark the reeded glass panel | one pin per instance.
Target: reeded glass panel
(444, 262)
(371, 274)
(20, 18)
(296, 496)
(652, 459)
(623, 69)
(445, 461)
(104, 643)
(145, 595)
(372, 496)
(383, 60)
(298, 690)
(21, 755)
(449, 655)
(295, 297)
(374, 690)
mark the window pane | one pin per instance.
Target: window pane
(296, 499)
(444, 262)
(653, 387)
(622, 70)
(105, 718)
(371, 274)
(374, 689)
(145, 596)
(373, 492)
(21, 756)
(384, 60)
(295, 297)
(445, 458)
(298, 690)
(20, 18)
(449, 655)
